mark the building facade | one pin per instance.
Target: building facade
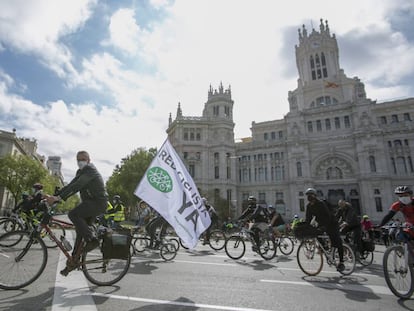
(334, 138)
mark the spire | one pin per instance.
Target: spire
(179, 111)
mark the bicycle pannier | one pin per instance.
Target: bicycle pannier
(304, 230)
(368, 245)
(116, 244)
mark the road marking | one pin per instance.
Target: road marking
(177, 303)
(381, 290)
(71, 292)
(276, 268)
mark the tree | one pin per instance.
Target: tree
(126, 176)
(18, 173)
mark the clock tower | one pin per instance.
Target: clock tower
(321, 80)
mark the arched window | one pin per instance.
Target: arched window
(333, 173)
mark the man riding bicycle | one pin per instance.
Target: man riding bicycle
(319, 215)
(349, 222)
(94, 201)
(259, 215)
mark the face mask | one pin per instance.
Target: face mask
(82, 164)
(405, 200)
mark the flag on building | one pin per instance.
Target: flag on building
(331, 84)
(169, 189)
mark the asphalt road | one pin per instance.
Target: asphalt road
(203, 279)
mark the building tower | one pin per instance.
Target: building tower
(206, 144)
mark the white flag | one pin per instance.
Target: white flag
(169, 189)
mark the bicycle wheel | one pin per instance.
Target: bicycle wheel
(141, 244)
(168, 251)
(174, 241)
(267, 249)
(58, 231)
(398, 276)
(309, 257)
(9, 225)
(235, 247)
(103, 272)
(349, 259)
(22, 259)
(217, 239)
(286, 245)
(366, 258)
(182, 244)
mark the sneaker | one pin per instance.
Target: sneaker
(340, 267)
(254, 248)
(92, 244)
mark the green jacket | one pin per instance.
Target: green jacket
(88, 181)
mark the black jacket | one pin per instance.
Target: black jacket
(88, 181)
(324, 216)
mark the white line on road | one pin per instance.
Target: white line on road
(177, 303)
(381, 290)
(71, 292)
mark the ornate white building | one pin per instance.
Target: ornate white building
(333, 138)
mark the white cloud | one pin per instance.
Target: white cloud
(241, 43)
(124, 32)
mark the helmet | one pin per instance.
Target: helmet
(204, 200)
(365, 217)
(38, 186)
(251, 199)
(271, 207)
(296, 216)
(402, 190)
(310, 191)
(117, 197)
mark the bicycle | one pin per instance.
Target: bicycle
(235, 245)
(283, 242)
(312, 250)
(216, 240)
(167, 247)
(398, 265)
(23, 257)
(365, 256)
(26, 222)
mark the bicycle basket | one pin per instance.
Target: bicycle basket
(368, 245)
(116, 244)
(304, 230)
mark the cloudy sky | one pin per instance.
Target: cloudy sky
(104, 75)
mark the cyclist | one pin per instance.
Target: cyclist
(295, 221)
(25, 205)
(156, 224)
(144, 214)
(318, 214)
(405, 205)
(276, 221)
(119, 211)
(349, 222)
(260, 217)
(367, 227)
(214, 220)
(94, 200)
